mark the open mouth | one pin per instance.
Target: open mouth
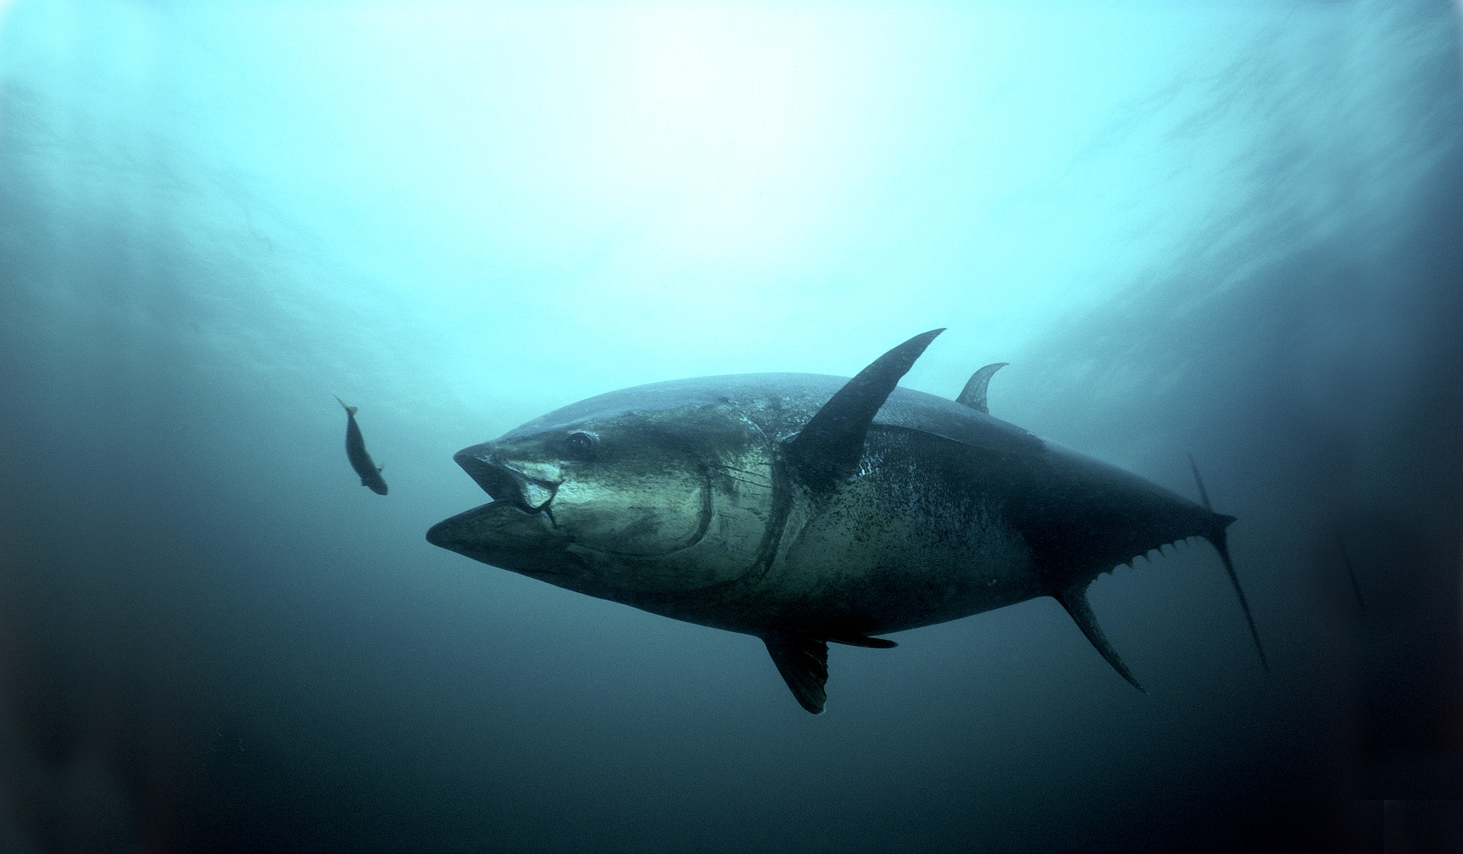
(504, 484)
(515, 530)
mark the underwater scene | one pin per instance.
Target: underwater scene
(524, 426)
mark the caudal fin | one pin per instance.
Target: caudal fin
(1217, 537)
(349, 409)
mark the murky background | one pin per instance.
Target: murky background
(1232, 229)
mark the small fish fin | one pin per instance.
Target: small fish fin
(829, 446)
(1074, 599)
(350, 410)
(973, 395)
(380, 469)
(803, 663)
(863, 640)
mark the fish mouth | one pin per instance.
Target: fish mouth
(515, 530)
(504, 484)
(504, 534)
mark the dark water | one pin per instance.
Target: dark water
(1229, 229)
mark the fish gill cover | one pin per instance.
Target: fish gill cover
(1229, 229)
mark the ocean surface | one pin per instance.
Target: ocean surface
(1231, 229)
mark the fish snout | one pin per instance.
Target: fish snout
(503, 482)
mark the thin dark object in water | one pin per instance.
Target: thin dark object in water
(1350, 571)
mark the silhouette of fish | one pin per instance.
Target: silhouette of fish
(355, 451)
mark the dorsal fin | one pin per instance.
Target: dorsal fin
(1074, 599)
(803, 663)
(828, 448)
(973, 395)
(1216, 537)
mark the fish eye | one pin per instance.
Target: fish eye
(579, 446)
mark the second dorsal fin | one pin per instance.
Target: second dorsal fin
(1074, 599)
(829, 446)
(973, 395)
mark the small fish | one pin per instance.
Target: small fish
(355, 450)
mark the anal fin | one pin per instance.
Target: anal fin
(1074, 599)
(803, 663)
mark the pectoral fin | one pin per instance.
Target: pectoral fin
(863, 640)
(1074, 599)
(803, 663)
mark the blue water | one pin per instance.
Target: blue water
(1232, 229)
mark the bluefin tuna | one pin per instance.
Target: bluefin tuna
(807, 510)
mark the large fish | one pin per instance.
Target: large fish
(809, 509)
(355, 451)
